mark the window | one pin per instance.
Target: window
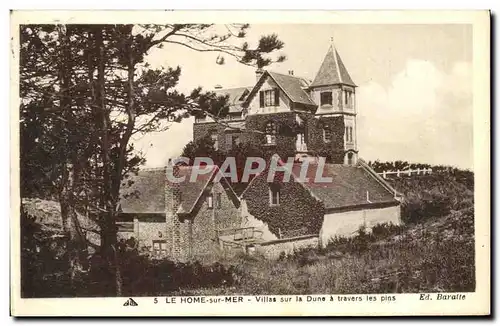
(232, 141)
(300, 143)
(159, 248)
(271, 133)
(235, 141)
(218, 200)
(348, 97)
(210, 201)
(274, 195)
(269, 97)
(348, 134)
(327, 134)
(215, 139)
(326, 98)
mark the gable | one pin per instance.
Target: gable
(194, 193)
(229, 199)
(266, 83)
(293, 88)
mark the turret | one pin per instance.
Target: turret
(334, 91)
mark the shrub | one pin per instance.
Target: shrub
(385, 230)
(418, 208)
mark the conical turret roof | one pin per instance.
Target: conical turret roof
(332, 71)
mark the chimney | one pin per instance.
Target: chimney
(290, 72)
(258, 73)
(218, 86)
(172, 203)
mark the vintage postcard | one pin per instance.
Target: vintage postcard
(201, 163)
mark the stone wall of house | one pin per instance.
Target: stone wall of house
(149, 231)
(146, 230)
(286, 122)
(201, 130)
(347, 223)
(273, 249)
(201, 238)
(172, 202)
(332, 150)
(285, 139)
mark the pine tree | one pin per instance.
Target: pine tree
(86, 90)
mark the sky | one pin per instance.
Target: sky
(414, 95)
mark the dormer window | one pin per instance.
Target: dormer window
(270, 97)
(271, 133)
(326, 98)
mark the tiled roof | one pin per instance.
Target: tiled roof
(235, 95)
(148, 190)
(350, 186)
(332, 71)
(146, 194)
(293, 86)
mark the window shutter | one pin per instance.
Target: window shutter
(261, 93)
(276, 96)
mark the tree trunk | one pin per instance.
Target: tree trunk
(76, 242)
(108, 231)
(67, 202)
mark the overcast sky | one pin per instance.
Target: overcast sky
(414, 95)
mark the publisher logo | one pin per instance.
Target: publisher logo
(130, 302)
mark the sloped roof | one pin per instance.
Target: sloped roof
(147, 193)
(235, 97)
(350, 186)
(332, 71)
(292, 86)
